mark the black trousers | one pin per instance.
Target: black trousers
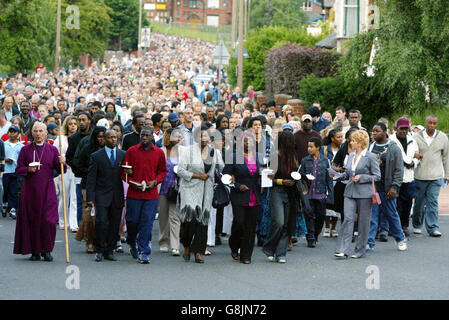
(405, 202)
(243, 231)
(219, 221)
(315, 219)
(107, 224)
(194, 235)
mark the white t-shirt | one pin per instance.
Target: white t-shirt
(5, 129)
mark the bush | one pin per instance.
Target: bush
(257, 43)
(287, 65)
(419, 117)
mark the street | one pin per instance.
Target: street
(419, 273)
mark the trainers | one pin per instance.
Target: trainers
(369, 248)
(282, 260)
(119, 249)
(334, 233)
(383, 238)
(417, 231)
(175, 252)
(163, 249)
(402, 245)
(143, 259)
(270, 258)
(12, 214)
(327, 233)
(436, 234)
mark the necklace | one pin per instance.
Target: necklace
(38, 158)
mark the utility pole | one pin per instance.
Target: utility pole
(246, 20)
(139, 50)
(269, 12)
(240, 53)
(58, 37)
(234, 22)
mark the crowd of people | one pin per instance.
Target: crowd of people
(136, 140)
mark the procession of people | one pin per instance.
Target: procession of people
(142, 141)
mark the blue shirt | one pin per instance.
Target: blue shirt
(12, 152)
(108, 152)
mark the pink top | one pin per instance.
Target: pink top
(252, 167)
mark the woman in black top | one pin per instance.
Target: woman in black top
(283, 198)
(245, 197)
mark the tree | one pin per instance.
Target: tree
(92, 35)
(258, 42)
(412, 59)
(284, 13)
(124, 34)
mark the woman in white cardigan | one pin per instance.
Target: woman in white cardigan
(69, 127)
(197, 165)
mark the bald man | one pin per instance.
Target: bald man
(38, 209)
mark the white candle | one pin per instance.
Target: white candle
(34, 156)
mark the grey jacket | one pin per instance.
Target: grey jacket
(394, 168)
(366, 168)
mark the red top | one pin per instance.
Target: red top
(24, 140)
(147, 165)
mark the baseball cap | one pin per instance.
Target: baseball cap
(103, 123)
(52, 126)
(173, 117)
(306, 117)
(15, 128)
(403, 123)
(287, 127)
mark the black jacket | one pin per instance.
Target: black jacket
(104, 183)
(243, 176)
(74, 140)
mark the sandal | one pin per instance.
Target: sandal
(207, 253)
(90, 248)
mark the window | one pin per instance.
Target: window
(352, 17)
(193, 4)
(213, 4)
(307, 5)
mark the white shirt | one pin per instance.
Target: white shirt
(428, 138)
(5, 129)
(354, 164)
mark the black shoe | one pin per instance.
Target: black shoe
(235, 255)
(98, 257)
(35, 257)
(3, 213)
(245, 261)
(218, 241)
(383, 238)
(110, 256)
(47, 256)
(260, 241)
(311, 243)
(198, 260)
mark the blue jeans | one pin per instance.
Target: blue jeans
(276, 242)
(79, 203)
(388, 209)
(140, 216)
(427, 192)
(11, 190)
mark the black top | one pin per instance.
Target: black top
(404, 143)
(130, 140)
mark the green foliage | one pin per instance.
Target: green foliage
(258, 42)
(20, 43)
(125, 21)
(184, 32)
(28, 33)
(284, 13)
(92, 36)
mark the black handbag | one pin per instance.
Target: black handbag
(172, 194)
(221, 196)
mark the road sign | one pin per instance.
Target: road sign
(146, 37)
(221, 55)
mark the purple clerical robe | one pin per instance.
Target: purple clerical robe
(38, 208)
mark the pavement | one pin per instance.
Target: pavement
(421, 272)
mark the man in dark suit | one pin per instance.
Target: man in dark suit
(105, 191)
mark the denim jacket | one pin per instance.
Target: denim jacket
(324, 183)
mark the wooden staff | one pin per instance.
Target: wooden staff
(64, 209)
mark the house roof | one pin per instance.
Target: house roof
(329, 3)
(329, 42)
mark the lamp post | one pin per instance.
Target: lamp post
(58, 37)
(139, 52)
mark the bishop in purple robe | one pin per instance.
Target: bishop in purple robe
(38, 208)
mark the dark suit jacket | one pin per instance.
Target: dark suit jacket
(104, 183)
(243, 176)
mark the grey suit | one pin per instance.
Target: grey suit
(358, 199)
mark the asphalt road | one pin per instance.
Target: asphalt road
(420, 273)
